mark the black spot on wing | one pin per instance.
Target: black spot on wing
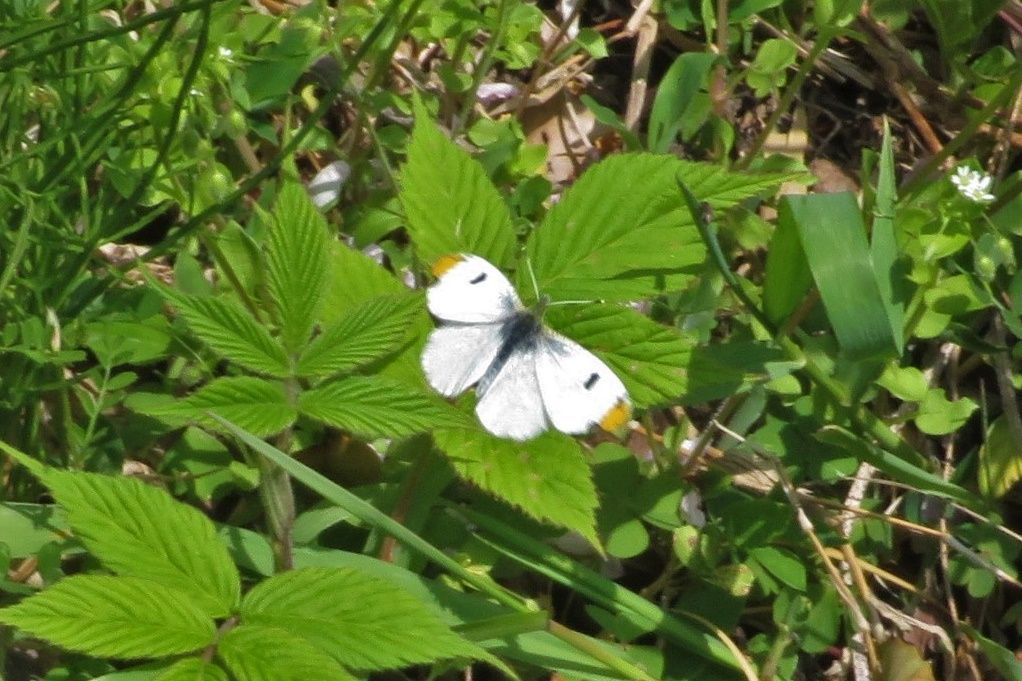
(479, 279)
(593, 379)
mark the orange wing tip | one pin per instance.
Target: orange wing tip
(617, 416)
(445, 263)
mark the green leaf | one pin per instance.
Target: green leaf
(884, 246)
(781, 564)
(718, 370)
(363, 621)
(452, 207)
(787, 278)
(364, 334)
(255, 653)
(119, 617)
(649, 358)
(378, 407)
(297, 263)
(674, 98)
(255, 404)
(616, 234)
(355, 279)
(231, 331)
(939, 416)
(902, 661)
(905, 383)
(138, 530)
(1002, 659)
(1000, 465)
(29, 527)
(193, 669)
(834, 243)
(546, 477)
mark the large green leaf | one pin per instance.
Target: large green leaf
(193, 669)
(884, 245)
(834, 242)
(256, 653)
(255, 404)
(355, 279)
(362, 621)
(231, 331)
(378, 407)
(297, 262)
(547, 477)
(138, 530)
(451, 205)
(648, 357)
(120, 617)
(623, 232)
(364, 334)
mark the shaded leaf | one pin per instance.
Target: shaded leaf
(119, 617)
(546, 477)
(378, 407)
(361, 620)
(296, 257)
(901, 661)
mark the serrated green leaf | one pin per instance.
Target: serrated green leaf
(297, 262)
(259, 406)
(193, 669)
(138, 530)
(355, 279)
(649, 358)
(364, 334)
(257, 653)
(451, 205)
(361, 620)
(622, 231)
(547, 477)
(119, 617)
(231, 331)
(378, 407)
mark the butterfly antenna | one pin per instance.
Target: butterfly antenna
(532, 276)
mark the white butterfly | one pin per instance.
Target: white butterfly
(527, 377)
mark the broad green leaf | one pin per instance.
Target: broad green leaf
(547, 477)
(355, 279)
(297, 262)
(905, 383)
(616, 234)
(363, 621)
(377, 407)
(450, 203)
(256, 653)
(649, 358)
(231, 331)
(718, 370)
(787, 278)
(138, 530)
(193, 669)
(678, 88)
(938, 415)
(1005, 661)
(119, 617)
(253, 403)
(782, 565)
(834, 242)
(1000, 461)
(364, 334)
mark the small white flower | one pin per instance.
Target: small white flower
(196, 92)
(973, 184)
(226, 53)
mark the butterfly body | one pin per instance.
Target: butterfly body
(527, 376)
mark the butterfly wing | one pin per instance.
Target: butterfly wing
(578, 389)
(470, 290)
(457, 355)
(510, 404)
